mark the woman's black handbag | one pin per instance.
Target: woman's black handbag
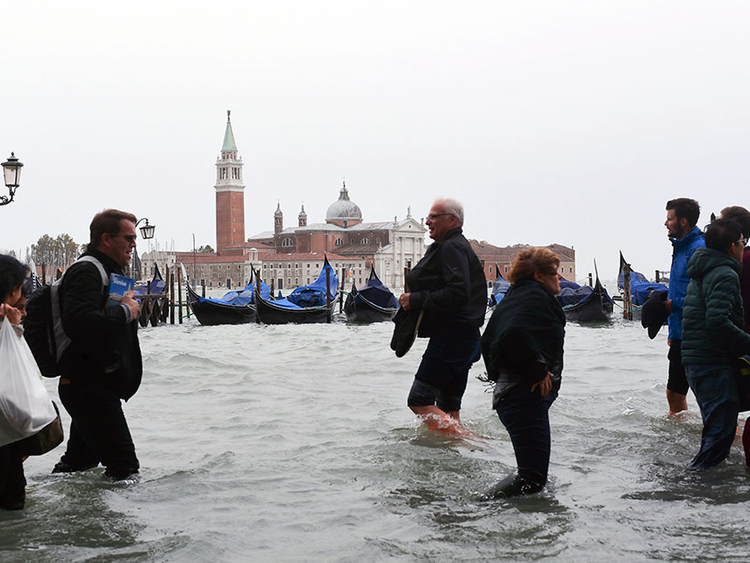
(47, 439)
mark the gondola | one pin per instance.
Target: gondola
(306, 304)
(585, 304)
(235, 307)
(499, 288)
(640, 288)
(372, 303)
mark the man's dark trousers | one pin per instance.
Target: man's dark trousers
(99, 432)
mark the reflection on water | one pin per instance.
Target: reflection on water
(295, 443)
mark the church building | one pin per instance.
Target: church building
(293, 256)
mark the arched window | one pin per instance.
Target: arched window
(287, 241)
(365, 241)
(338, 242)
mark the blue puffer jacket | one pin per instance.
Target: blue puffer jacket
(683, 250)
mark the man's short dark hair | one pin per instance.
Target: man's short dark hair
(721, 233)
(108, 221)
(686, 208)
(739, 214)
(12, 274)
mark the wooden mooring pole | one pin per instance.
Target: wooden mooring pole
(627, 298)
(343, 286)
(171, 298)
(328, 294)
(179, 293)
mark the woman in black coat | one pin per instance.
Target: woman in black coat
(523, 352)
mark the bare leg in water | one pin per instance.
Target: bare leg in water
(677, 402)
(441, 421)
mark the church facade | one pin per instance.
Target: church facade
(293, 256)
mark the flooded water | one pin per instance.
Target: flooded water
(294, 443)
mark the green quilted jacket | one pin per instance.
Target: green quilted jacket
(712, 320)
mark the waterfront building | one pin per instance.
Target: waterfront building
(293, 255)
(498, 259)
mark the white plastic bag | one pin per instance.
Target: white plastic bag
(25, 406)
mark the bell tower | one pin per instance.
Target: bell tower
(278, 220)
(230, 200)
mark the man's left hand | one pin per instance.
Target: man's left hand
(404, 301)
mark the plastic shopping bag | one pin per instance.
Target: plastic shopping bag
(25, 406)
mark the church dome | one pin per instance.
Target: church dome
(344, 209)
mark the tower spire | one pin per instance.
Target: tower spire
(229, 144)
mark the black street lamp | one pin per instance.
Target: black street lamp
(12, 175)
(147, 231)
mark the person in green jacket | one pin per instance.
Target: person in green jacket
(713, 337)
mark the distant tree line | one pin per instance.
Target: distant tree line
(52, 253)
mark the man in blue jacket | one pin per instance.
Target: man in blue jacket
(686, 238)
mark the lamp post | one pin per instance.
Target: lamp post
(12, 175)
(147, 231)
(194, 274)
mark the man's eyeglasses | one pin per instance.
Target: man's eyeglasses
(435, 215)
(743, 241)
(129, 238)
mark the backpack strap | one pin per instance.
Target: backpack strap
(62, 340)
(99, 266)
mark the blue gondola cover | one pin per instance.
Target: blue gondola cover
(240, 297)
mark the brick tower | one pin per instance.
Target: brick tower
(230, 199)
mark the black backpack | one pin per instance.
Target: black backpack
(43, 330)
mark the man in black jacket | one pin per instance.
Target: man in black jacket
(103, 364)
(449, 286)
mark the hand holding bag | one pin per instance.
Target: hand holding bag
(25, 406)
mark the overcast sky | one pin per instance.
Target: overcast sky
(552, 121)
